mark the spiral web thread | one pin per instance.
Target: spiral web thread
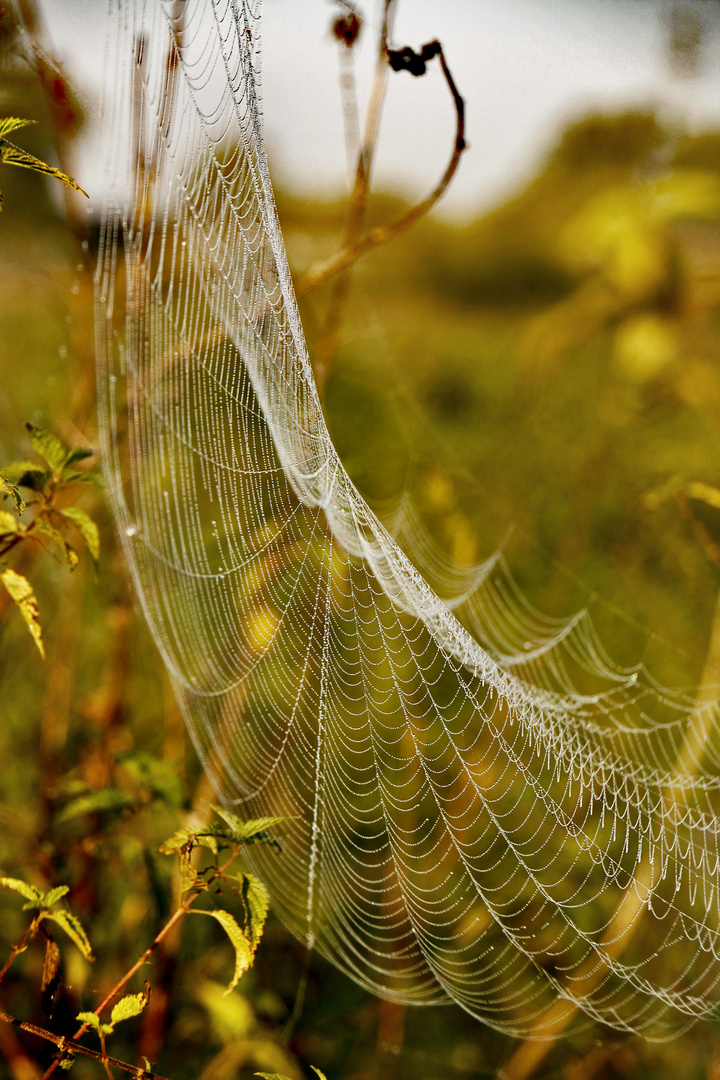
(479, 806)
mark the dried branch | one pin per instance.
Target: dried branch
(408, 60)
(358, 202)
(68, 1047)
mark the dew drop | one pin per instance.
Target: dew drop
(131, 530)
(75, 289)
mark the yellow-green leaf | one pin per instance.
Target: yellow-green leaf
(6, 488)
(91, 1019)
(131, 1005)
(25, 474)
(244, 952)
(257, 903)
(248, 832)
(21, 592)
(74, 929)
(12, 123)
(14, 155)
(86, 527)
(46, 528)
(48, 446)
(22, 887)
(9, 524)
(54, 895)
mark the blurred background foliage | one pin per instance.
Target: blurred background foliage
(545, 378)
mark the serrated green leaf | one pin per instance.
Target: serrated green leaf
(28, 891)
(126, 1007)
(244, 952)
(248, 832)
(176, 841)
(49, 446)
(209, 836)
(256, 900)
(54, 895)
(74, 930)
(86, 527)
(95, 802)
(7, 488)
(13, 123)
(21, 592)
(46, 528)
(25, 474)
(9, 524)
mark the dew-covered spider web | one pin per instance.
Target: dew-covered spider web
(479, 806)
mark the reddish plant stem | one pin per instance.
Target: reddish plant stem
(70, 1046)
(121, 983)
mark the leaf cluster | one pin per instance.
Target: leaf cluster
(40, 512)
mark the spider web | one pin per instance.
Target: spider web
(479, 806)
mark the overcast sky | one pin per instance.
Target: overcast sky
(525, 67)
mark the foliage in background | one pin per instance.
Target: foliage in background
(510, 374)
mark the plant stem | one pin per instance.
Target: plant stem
(121, 983)
(17, 949)
(382, 233)
(72, 1047)
(358, 202)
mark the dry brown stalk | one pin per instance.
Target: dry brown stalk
(69, 1047)
(381, 234)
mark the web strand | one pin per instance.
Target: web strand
(472, 792)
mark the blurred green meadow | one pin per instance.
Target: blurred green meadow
(546, 380)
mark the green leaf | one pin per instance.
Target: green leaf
(86, 527)
(131, 1005)
(28, 891)
(209, 836)
(188, 874)
(248, 832)
(89, 476)
(159, 777)
(48, 446)
(25, 474)
(54, 895)
(21, 592)
(273, 1076)
(319, 1073)
(7, 488)
(14, 155)
(95, 802)
(244, 952)
(9, 524)
(256, 900)
(46, 528)
(91, 1019)
(74, 929)
(79, 453)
